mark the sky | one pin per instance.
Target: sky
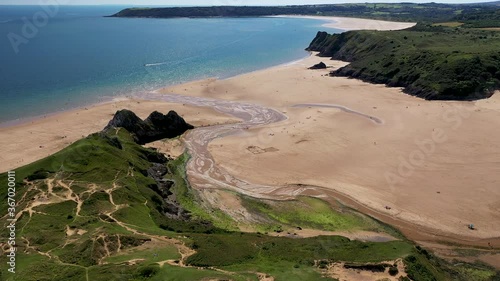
(214, 2)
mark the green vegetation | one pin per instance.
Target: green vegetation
(189, 199)
(311, 213)
(449, 24)
(480, 18)
(243, 247)
(422, 265)
(432, 62)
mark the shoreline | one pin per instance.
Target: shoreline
(330, 22)
(31, 119)
(130, 96)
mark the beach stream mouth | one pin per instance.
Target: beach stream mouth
(202, 171)
(204, 174)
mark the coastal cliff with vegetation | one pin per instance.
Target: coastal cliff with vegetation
(429, 61)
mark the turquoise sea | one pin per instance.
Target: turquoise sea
(75, 56)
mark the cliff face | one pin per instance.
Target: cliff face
(157, 126)
(431, 63)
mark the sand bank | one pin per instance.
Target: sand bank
(356, 23)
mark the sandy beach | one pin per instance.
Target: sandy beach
(431, 164)
(355, 23)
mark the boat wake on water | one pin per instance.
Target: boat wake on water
(155, 64)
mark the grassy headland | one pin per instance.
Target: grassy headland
(432, 62)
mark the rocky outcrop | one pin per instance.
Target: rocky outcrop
(156, 127)
(171, 208)
(320, 65)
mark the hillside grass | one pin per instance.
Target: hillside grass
(311, 213)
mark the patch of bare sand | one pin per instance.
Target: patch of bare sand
(135, 261)
(361, 235)
(434, 163)
(27, 142)
(264, 277)
(343, 273)
(357, 24)
(170, 147)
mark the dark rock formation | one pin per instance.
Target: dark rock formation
(320, 65)
(157, 126)
(170, 207)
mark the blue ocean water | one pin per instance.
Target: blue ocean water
(75, 56)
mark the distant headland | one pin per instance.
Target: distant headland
(434, 12)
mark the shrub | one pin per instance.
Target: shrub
(393, 271)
